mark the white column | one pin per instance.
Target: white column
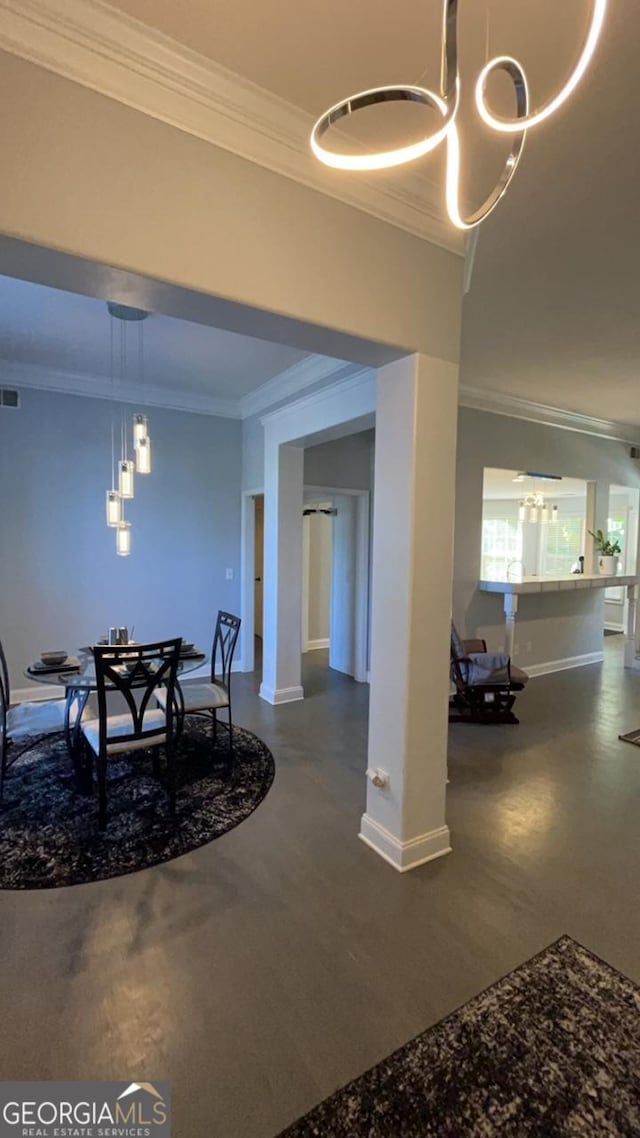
(510, 613)
(414, 503)
(283, 504)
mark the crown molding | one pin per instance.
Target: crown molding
(348, 379)
(116, 55)
(292, 382)
(514, 407)
(22, 375)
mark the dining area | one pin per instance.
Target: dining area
(133, 760)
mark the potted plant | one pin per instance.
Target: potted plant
(608, 551)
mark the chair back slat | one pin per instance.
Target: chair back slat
(136, 671)
(224, 646)
(5, 690)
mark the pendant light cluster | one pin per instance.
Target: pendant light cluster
(534, 507)
(121, 319)
(446, 103)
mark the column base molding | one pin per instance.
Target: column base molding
(281, 695)
(404, 855)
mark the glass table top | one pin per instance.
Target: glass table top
(84, 678)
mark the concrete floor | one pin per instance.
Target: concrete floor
(267, 969)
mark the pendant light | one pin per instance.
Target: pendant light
(143, 456)
(114, 508)
(126, 470)
(123, 538)
(141, 462)
(554, 515)
(446, 104)
(140, 428)
(522, 512)
(544, 514)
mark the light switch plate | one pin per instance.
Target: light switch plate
(229, 574)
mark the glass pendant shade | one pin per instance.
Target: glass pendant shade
(533, 514)
(114, 508)
(143, 455)
(522, 512)
(126, 470)
(123, 539)
(554, 515)
(544, 515)
(140, 429)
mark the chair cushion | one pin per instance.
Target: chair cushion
(123, 725)
(40, 718)
(198, 697)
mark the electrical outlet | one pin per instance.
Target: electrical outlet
(516, 649)
(528, 646)
(229, 574)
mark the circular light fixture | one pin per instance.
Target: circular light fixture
(383, 159)
(510, 126)
(447, 103)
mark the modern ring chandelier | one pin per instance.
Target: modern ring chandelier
(447, 104)
(127, 467)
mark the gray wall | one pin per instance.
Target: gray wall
(346, 462)
(559, 625)
(61, 583)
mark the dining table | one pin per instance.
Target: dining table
(77, 675)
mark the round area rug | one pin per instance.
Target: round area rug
(49, 831)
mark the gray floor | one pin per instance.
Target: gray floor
(266, 969)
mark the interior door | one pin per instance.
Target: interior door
(343, 586)
(259, 564)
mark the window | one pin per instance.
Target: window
(501, 543)
(562, 544)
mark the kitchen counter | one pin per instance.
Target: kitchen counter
(531, 586)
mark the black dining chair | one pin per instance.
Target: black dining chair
(215, 696)
(136, 672)
(22, 722)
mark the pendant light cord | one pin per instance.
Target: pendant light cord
(113, 406)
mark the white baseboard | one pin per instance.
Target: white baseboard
(611, 627)
(313, 645)
(534, 670)
(281, 695)
(404, 855)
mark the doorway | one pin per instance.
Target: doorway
(335, 584)
(258, 584)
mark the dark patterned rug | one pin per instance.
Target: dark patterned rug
(49, 831)
(552, 1049)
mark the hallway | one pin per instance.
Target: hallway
(268, 968)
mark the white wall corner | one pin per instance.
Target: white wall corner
(404, 855)
(116, 55)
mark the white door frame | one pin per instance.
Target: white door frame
(361, 631)
(247, 578)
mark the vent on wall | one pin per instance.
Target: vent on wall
(9, 398)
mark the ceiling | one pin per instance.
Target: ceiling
(45, 328)
(499, 485)
(553, 311)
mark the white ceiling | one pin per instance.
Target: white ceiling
(553, 314)
(553, 311)
(45, 328)
(499, 485)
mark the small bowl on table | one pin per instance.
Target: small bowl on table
(53, 659)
